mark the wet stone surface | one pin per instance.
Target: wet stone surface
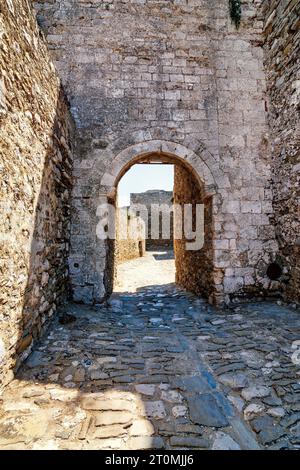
(159, 368)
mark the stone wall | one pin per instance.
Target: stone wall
(35, 186)
(133, 245)
(156, 198)
(282, 61)
(194, 268)
(174, 77)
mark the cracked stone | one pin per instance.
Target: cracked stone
(272, 401)
(253, 410)
(268, 435)
(192, 384)
(224, 442)
(291, 419)
(105, 343)
(295, 430)
(205, 410)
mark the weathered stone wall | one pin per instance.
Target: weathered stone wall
(282, 61)
(133, 244)
(156, 75)
(156, 198)
(194, 268)
(35, 186)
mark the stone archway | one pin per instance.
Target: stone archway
(194, 184)
(200, 166)
(90, 260)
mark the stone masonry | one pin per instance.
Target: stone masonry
(282, 58)
(133, 243)
(159, 368)
(93, 87)
(194, 268)
(157, 198)
(36, 163)
(153, 365)
(168, 78)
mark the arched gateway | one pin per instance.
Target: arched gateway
(166, 151)
(229, 265)
(198, 179)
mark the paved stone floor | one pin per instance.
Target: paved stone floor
(159, 368)
(156, 268)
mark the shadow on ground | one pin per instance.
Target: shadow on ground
(159, 368)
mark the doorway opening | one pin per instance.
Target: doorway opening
(171, 260)
(145, 256)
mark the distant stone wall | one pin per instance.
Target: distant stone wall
(35, 186)
(163, 199)
(131, 247)
(282, 64)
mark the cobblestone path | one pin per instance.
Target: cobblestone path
(159, 368)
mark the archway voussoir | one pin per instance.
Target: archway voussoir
(203, 165)
(193, 143)
(210, 189)
(222, 182)
(108, 179)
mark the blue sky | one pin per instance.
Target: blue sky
(142, 177)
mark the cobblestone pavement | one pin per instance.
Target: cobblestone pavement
(159, 368)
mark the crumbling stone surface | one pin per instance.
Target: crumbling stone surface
(35, 186)
(282, 52)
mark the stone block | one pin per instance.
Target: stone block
(205, 410)
(233, 284)
(251, 207)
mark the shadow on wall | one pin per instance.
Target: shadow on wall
(48, 262)
(36, 228)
